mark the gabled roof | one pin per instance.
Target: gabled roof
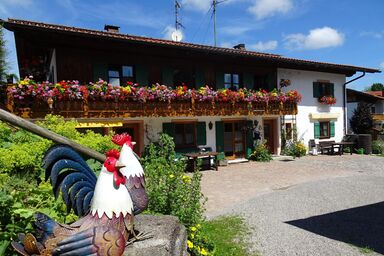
(357, 96)
(17, 25)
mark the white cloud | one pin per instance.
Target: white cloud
(169, 30)
(316, 39)
(266, 8)
(265, 46)
(377, 35)
(234, 30)
(199, 5)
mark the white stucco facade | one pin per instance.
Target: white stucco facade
(309, 109)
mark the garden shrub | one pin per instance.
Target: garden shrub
(360, 151)
(171, 191)
(295, 149)
(378, 147)
(261, 153)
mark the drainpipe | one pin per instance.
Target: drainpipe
(345, 99)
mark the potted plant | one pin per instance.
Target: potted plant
(327, 100)
(221, 159)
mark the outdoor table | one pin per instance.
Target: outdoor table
(341, 145)
(211, 155)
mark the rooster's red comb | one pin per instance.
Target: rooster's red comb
(120, 139)
(113, 153)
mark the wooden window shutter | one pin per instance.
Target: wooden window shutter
(169, 128)
(199, 78)
(316, 90)
(219, 80)
(100, 70)
(332, 89)
(219, 126)
(332, 128)
(141, 74)
(249, 138)
(248, 81)
(167, 76)
(201, 133)
(317, 130)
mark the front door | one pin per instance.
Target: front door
(269, 135)
(234, 139)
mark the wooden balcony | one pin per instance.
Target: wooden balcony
(108, 109)
(378, 117)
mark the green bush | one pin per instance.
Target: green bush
(261, 154)
(360, 151)
(295, 149)
(378, 147)
(171, 191)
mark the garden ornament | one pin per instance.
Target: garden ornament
(106, 204)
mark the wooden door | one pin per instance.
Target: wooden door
(234, 139)
(269, 135)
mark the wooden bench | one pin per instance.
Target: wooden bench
(327, 146)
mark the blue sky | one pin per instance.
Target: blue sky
(344, 31)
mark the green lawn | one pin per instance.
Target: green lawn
(228, 234)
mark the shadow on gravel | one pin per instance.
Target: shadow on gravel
(361, 226)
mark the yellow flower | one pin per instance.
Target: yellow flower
(192, 236)
(190, 244)
(203, 252)
(193, 229)
(171, 176)
(198, 226)
(186, 179)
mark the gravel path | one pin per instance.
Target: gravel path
(325, 205)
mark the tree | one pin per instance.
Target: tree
(376, 87)
(3, 63)
(361, 121)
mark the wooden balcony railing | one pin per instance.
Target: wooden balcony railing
(378, 117)
(33, 108)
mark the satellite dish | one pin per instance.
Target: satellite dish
(177, 36)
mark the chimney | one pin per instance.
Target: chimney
(111, 28)
(239, 47)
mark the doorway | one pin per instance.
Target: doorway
(270, 135)
(234, 139)
(137, 133)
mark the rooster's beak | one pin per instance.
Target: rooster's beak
(119, 165)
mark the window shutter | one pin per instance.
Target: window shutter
(249, 138)
(219, 126)
(201, 133)
(169, 128)
(317, 130)
(332, 128)
(332, 89)
(100, 70)
(219, 80)
(167, 76)
(248, 81)
(141, 74)
(316, 90)
(199, 78)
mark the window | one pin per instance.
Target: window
(324, 129)
(231, 81)
(119, 75)
(321, 89)
(182, 77)
(185, 135)
(261, 82)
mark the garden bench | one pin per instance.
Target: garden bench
(327, 146)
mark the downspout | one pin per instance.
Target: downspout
(345, 100)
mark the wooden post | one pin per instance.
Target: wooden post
(45, 133)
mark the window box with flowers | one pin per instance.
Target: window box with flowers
(327, 100)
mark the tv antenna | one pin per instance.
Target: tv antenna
(214, 5)
(177, 35)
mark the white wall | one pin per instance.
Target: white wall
(302, 81)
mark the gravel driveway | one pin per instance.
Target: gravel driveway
(324, 205)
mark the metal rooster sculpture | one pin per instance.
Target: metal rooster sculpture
(107, 204)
